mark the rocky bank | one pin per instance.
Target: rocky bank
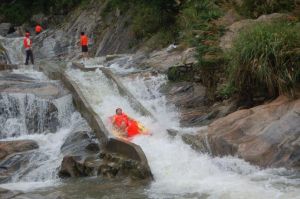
(267, 135)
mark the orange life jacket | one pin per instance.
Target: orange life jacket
(83, 40)
(38, 29)
(27, 43)
(133, 128)
(120, 119)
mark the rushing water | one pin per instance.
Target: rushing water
(179, 171)
(20, 108)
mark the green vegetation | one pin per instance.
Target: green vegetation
(265, 60)
(1, 48)
(255, 8)
(20, 11)
(150, 19)
(198, 29)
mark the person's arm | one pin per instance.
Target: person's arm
(113, 120)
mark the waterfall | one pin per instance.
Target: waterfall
(46, 120)
(179, 171)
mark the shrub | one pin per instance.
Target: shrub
(265, 59)
(20, 11)
(152, 16)
(255, 8)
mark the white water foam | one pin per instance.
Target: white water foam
(43, 163)
(179, 171)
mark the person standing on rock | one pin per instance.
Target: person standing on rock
(38, 29)
(27, 45)
(84, 44)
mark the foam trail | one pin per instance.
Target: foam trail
(179, 171)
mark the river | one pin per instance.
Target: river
(179, 171)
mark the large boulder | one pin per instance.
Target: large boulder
(9, 147)
(106, 165)
(72, 166)
(266, 135)
(79, 143)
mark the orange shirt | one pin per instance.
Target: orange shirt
(38, 29)
(120, 119)
(84, 40)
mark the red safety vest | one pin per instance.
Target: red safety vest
(27, 43)
(84, 40)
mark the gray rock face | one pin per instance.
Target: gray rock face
(4, 28)
(107, 35)
(193, 104)
(266, 135)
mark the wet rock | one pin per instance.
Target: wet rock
(106, 170)
(193, 104)
(266, 135)
(107, 165)
(14, 156)
(72, 166)
(42, 118)
(4, 28)
(12, 164)
(172, 132)
(114, 165)
(79, 143)
(10, 147)
(24, 84)
(93, 147)
(194, 143)
(7, 194)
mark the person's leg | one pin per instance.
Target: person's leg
(27, 57)
(31, 57)
(84, 51)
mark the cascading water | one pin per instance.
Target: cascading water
(179, 171)
(25, 118)
(47, 120)
(14, 48)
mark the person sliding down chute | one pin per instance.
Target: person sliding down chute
(125, 126)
